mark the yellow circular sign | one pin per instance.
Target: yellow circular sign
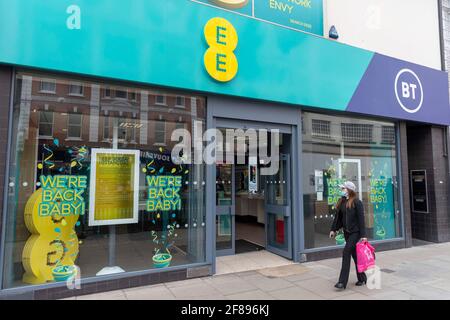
(220, 61)
(219, 32)
(231, 4)
(221, 66)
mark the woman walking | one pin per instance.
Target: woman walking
(349, 217)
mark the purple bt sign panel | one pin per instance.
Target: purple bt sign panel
(402, 90)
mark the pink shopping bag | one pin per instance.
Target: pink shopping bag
(365, 256)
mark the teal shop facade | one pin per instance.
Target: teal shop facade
(79, 76)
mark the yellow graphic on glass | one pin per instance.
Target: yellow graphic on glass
(114, 192)
(220, 61)
(231, 4)
(53, 243)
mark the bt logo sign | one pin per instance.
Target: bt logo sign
(409, 91)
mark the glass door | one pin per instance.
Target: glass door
(278, 210)
(225, 209)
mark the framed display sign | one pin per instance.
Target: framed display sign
(419, 191)
(114, 187)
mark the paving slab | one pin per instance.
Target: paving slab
(294, 293)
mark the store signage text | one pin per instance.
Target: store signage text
(378, 192)
(285, 7)
(164, 193)
(409, 91)
(220, 61)
(62, 195)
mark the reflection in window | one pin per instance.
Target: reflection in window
(160, 132)
(48, 86)
(74, 125)
(321, 129)
(76, 89)
(121, 94)
(357, 152)
(107, 93)
(160, 99)
(46, 123)
(181, 101)
(388, 135)
(106, 128)
(165, 234)
(357, 132)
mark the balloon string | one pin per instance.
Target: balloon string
(47, 160)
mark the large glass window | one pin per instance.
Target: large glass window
(111, 200)
(336, 149)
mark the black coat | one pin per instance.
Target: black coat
(354, 218)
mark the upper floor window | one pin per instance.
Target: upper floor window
(76, 89)
(48, 86)
(388, 135)
(161, 99)
(357, 132)
(181, 101)
(121, 94)
(132, 96)
(321, 129)
(107, 93)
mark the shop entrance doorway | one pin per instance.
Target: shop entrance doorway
(253, 207)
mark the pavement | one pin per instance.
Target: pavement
(418, 273)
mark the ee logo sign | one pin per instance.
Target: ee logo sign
(220, 61)
(409, 91)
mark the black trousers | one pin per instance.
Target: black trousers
(350, 252)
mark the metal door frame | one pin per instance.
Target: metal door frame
(285, 210)
(228, 210)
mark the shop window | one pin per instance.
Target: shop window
(321, 129)
(76, 89)
(46, 124)
(74, 125)
(48, 86)
(160, 132)
(350, 155)
(72, 190)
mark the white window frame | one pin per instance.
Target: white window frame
(180, 105)
(157, 143)
(52, 123)
(78, 84)
(161, 103)
(110, 93)
(121, 98)
(69, 125)
(41, 90)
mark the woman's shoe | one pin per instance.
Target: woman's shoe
(340, 285)
(361, 283)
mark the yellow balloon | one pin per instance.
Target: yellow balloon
(53, 242)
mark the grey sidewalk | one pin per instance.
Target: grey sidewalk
(415, 273)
